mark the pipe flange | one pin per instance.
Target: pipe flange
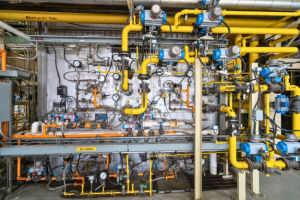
(218, 88)
(295, 105)
(249, 88)
(124, 54)
(219, 106)
(249, 163)
(122, 110)
(237, 84)
(144, 77)
(287, 164)
(264, 164)
(231, 119)
(282, 87)
(270, 88)
(129, 91)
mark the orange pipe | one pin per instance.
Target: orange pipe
(70, 136)
(95, 99)
(168, 132)
(79, 178)
(187, 102)
(155, 133)
(107, 161)
(3, 67)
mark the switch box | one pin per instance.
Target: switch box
(62, 91)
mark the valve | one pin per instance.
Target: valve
(154, 17)
(174, 54)
(210, 19)
(226, 54)
(254, 149)
(274, 72)
(289, 147)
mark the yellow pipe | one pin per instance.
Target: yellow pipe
(127, 171)
(228, 110)
(185, 12)
(257, 13)
(269, 49)
(230, 100)
(270, 154)
(126, 30)
(125, 85)
(267, 99)
(146, 62)
(232, 155)
(140, 110)
(244, 105)
(279, 40)
(241, 30)
(40, 16)
(295, 92)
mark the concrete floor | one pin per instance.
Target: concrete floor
(275, 187)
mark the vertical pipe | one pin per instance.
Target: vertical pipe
(230, 100)
(198, 130)
(150, 175)
(213, 163)
(267, 106)
(127, 171)
(9, 167)
(3, 67)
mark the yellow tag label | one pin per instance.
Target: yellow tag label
(86, 148)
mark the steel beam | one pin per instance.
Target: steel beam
(29, 150)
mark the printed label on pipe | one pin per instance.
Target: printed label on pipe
(86, 148)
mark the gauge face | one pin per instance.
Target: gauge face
(116, 76)
(159, 71)
(189, 73)
(77, 63)
(115, 97)
(103, 176)
(101, 78)
(116, 57)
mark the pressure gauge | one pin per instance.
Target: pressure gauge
(116, 57)
(189, 73)
(77, 64)
(115, 97)
(159, 71)
(103, 175)
(101, 78)
(116, 76)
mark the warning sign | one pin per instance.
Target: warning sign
(86, 148)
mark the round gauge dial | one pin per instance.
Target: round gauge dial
(116, 57)
(77, 64)
(115, 97)
(189, 73)
(103, 175)
(159, 71)
(116, 76)
(101, 78)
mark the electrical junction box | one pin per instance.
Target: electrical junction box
(62, 91)
(258, 115)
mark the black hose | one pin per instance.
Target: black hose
(227, 28)
(59, 80)
(243, 67)
(78, 164)
(65, 56)
(169, 34)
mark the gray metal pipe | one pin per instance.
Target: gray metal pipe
(21, 72)
(13, 30)
(278, 5)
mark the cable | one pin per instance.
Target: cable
(121, 162)
(244, 69)
(78, 164)
(57, 188)
(259, 94)
(277, 124)
(59, 80)
(227, 28)
(65, 56)
(169, 34)
(166, 107)
(128, 17)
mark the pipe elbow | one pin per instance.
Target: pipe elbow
(125, 85)
(146, 62)
(228, 110)
(140, 110)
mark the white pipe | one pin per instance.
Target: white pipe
(13, 30)
(151, 123)
(213, 163)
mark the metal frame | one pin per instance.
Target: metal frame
(30, 150)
